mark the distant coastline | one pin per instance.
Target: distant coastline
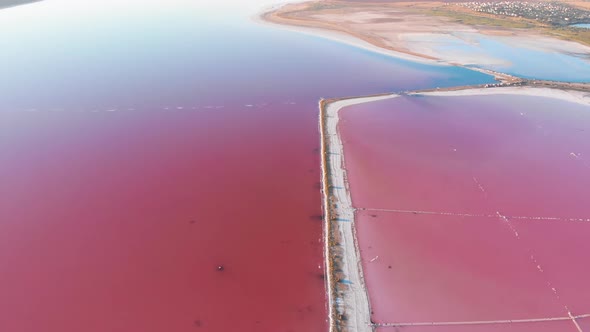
(280, 16)
(321, 19)
(416, 33)
(268, 17)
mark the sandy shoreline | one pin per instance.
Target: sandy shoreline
(405, 31)
(348, 301)
(578, 97)
(269, 17)
(275, 17)
(266, 17)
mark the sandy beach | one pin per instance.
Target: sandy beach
(403, 30)
(578, 97)
(268, 17)
(348, 302)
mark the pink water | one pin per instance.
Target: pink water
(553, 326)
(159, 165)
(481, 194)
(119, 221)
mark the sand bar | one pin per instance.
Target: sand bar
(270, 17)
(349, 307)
(408, 31)
(579, 97)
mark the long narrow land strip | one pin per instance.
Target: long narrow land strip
(348, 301)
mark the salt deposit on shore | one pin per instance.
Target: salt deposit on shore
(566, 95)
(347, 294)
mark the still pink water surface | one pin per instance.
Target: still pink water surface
(159, 165)
(129, 228)
(553, 326)
(481, 195)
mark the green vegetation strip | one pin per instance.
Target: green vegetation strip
(566, 33)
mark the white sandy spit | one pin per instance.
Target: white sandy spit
(466, 50)
(347, 39)
(354, 302)
(565, 95)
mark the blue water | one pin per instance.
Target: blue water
(525, 61)
(137, 54)
(151, 56)
(581, 25)
(223, 115)
(531, 63)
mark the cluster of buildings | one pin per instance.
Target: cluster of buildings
(554, 13)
